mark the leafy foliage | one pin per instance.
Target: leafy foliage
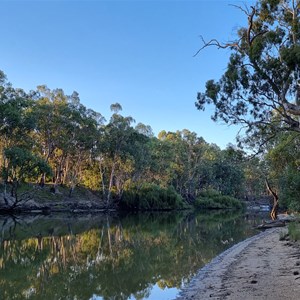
(48, 137)
(259, 88)
(212, 199)
(151, 197)
(284, 161)
(22, 162)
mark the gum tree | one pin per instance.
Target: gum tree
(260, 87)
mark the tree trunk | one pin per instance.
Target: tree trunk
(71, 190)
(54, 188)
(66, 171)
(14, 187)
(274, 210)
(42, 180)
(112, 174)
(102, 181)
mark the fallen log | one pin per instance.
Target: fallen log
(271, 224)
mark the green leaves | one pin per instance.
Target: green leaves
(151, 197)
(262, 75)
(212, 89)
(291, 56)
(48, 133)
(22, 163)
(283, 159)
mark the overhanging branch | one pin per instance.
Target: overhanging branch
(219, 45)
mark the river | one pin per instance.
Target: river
(112, 257)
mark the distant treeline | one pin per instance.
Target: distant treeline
(48, 137)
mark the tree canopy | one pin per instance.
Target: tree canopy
(51, 139)
(260, 88)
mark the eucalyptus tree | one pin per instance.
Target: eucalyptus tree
(82, 132)
(17, 123)
(145, 130)
(16, 118)
(116, 160)
(21, 164)
(188, 160)
(66, 132)
(185, 161)
(50, 110)
(143, 137)
(260, 87)
(163, 158)
(229, 172)
(193, 149)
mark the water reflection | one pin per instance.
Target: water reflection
(111, 257)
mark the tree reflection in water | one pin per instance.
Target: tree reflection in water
(72, 257)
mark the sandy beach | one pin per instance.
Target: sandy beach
(261, 267)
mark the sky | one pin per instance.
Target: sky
(137, 53)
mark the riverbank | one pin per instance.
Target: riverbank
(261, 267)
(33, 199)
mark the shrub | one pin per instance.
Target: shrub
(294, 231)
(211, 199)
(150, 197)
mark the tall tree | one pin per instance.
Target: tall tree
(260, 88)
(228, 172)
(116, 145)
(66, 132)
(16, 125)
(21, 163)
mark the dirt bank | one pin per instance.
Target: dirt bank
(262, 267)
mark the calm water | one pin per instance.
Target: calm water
(141, 256)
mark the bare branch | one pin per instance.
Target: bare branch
(250, 22)
(244, 10)
(216, 43)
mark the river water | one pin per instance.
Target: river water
(136, 256)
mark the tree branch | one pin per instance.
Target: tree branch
(216, 43)
(292, 108)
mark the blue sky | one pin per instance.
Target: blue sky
(137, 53)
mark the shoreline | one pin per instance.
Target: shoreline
(260, 267)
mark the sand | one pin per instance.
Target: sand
(261, 267)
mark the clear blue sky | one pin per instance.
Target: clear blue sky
(137, 53)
